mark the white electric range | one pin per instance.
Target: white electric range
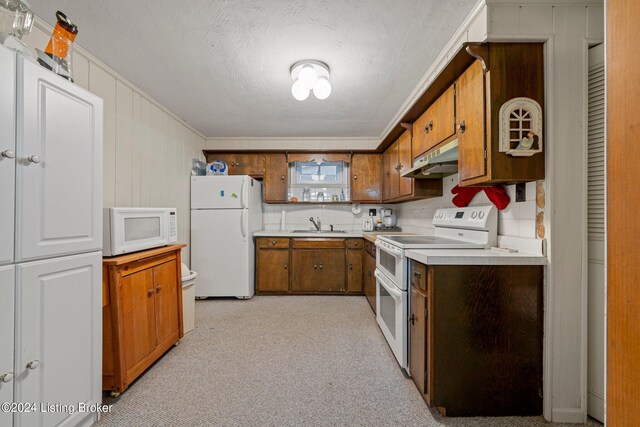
(454, 228)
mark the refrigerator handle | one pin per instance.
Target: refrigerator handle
(243, 194)
(244, 223)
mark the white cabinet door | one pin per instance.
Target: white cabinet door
(6, 340)
(58, 357)
(59, 172)
(7, 151)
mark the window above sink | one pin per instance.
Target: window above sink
(319, 181)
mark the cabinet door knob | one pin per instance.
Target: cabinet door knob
(412, 319)
(417, 274)
(355, 177)
(321, 266)
(350, 266)
(150, 292)
(286, 266)
(282, 177)
(238, 164)
(273, 242)
(462, 127)
(34, 159)
(6, 378)
(9, 155)
(369, 272)
(33, 364)
(315, 266)
(158, 289)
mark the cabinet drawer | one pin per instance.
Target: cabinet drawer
(370, 248)
(418, 275)
(272, 242)
(355, 243)
(317, 243)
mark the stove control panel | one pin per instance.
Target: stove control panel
(472, 217)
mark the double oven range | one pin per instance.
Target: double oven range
(454, 228)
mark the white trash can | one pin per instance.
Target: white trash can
(188, 298)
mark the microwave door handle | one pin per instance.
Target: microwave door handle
(396, 294)
(244, 223)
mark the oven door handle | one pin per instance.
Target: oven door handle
(394, 251)
(393, 291)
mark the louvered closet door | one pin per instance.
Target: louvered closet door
(596, 230)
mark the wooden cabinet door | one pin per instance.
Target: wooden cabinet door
(228, 158)
(471, 123)
(366, 178)
(354, 270)
(417, 338)
(272, 270)
(58, 337)
(370, 280)
(138, 317)
(444, 119)
(422, 135)
(7, 153)
(249, 164)
(394, 181)
(7, 377)
(305, 272)
(332, 268)
(275, 178)
(59, 172)
(387, 170)
(405, 185)
(168, 300)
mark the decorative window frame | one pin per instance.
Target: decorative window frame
(535, 112)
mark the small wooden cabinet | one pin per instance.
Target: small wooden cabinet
(397, 159)
(142, 312)
(309, 265)
(276, 174)
(366, 178)
(252, 164)
(476, 338)
(435, 125)
(369, 278)
(502, 71)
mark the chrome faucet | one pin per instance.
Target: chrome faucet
(316, 223)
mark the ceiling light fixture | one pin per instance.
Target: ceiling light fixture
(310, 75)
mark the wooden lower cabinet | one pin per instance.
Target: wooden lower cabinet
(309, 265)
(142, 312)
(369, 278)
(476, 338)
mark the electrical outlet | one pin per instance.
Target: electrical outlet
(521, 192)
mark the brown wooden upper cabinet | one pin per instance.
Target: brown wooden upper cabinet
(501, 72)
(435, 125)
(396, 159)
(252, 164)
(366, 178)
(275, 178)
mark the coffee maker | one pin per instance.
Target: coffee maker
(388, 220)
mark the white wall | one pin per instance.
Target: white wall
(147, 149)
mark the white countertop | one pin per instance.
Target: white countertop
(473, 257)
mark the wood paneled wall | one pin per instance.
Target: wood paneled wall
(623, 204)
(147, 149)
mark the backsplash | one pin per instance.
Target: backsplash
(516, 220)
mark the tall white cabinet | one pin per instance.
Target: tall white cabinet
(50, 262)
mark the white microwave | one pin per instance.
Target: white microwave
(134, 229)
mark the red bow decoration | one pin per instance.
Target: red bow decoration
(497, 195)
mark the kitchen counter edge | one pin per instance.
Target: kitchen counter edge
(473, 257)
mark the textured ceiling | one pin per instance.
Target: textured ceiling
(223, 66)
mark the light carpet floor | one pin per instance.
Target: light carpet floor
(282, 361)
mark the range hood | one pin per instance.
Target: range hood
(436, 164)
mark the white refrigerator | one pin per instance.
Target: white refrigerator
(225, 212)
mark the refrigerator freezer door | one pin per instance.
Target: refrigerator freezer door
(220, 254)
(220, 192)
